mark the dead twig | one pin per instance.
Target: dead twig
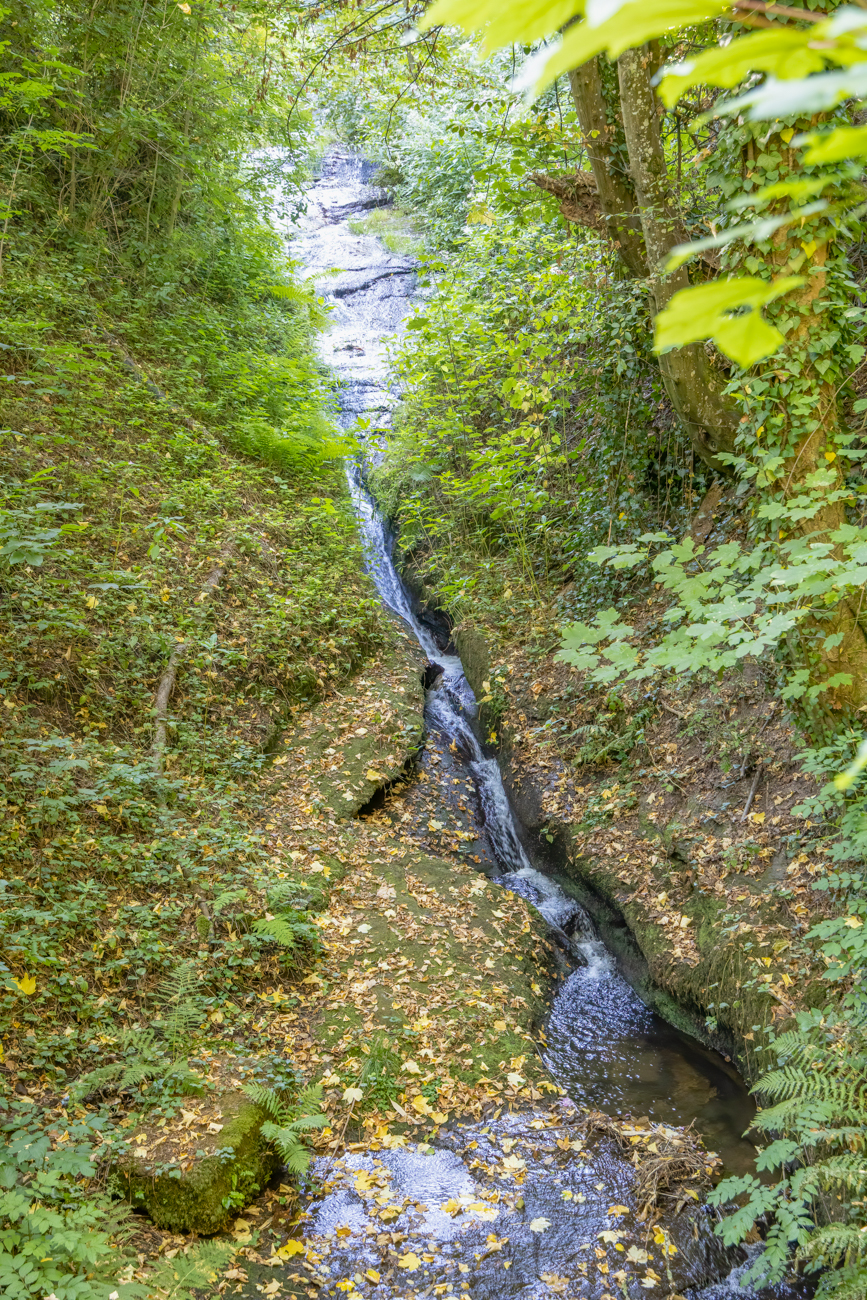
(664, 1158)
(752, 793)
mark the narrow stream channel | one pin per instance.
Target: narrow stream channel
(605, 1047)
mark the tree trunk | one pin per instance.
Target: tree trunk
(616, 196)
(806, 464)
(693, 385)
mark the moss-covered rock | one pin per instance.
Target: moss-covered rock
(349, 764)
(446, 968)
(204, 1194)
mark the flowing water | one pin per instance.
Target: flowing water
(605, 1047)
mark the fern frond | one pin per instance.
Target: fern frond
(138, 1072)
(295, 1155)
(843, 1284)
(227, 897)
(180, 1277)
(309, 1100)
(95, 1079)
(269, 1100)
(304, 1122)
(835, 1243)
(286, 931)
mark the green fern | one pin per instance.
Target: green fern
(291, 930)
(288, 1123)
(196, 1267)
(818, 1123)
(157, 1051)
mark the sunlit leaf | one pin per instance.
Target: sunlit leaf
(705, 311)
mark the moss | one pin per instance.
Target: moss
(352, 767)
(499, 966)
(227, 1172)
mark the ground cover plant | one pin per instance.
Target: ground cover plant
(626, 467)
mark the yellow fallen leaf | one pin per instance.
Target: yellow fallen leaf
(411, 1068)
(352, 1094)
(500, 1026)
(618, 1209)
(372, 1275)
(26, 985)
(373, 775)
(291, 1248)
(410, 1261)
(421, 1104)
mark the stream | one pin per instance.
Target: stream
(605, 1048)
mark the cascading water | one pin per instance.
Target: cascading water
(604, 1044)
(605, 1047)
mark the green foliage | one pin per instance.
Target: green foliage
(816, 1123)
(708, 311)
(291, 930)
(184, 1275)
(155, 1054)
(728, 603)
(24, 539)
(523, 440)
(56, 1235)
(288, 1122)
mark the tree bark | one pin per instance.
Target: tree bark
(620, 217)
(693, 385)
(805, 456)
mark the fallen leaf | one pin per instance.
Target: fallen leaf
(410, 1261)
(540, 1225)
(291, 1248)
